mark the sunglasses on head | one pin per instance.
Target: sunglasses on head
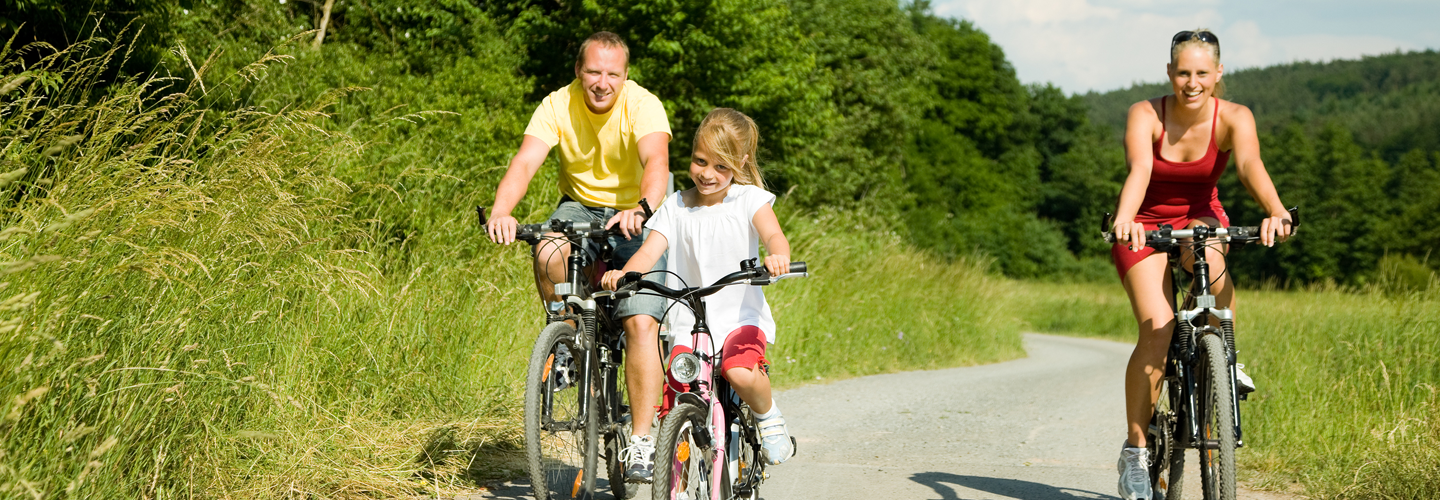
(1204, 36)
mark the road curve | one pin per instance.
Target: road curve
(1045, 427)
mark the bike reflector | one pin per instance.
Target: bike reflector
(685, 368)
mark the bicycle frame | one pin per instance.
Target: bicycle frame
(1185, 338)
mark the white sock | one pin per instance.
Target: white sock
(774, 412)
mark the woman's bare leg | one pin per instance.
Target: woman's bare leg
(1147, 284)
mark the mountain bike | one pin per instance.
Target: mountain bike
(1198, 405)
(709, 444)
(573, 403)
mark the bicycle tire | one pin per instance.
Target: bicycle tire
(683, 455)
(1217, 422)
(559, 458)
(615, 441)
(1167, 469)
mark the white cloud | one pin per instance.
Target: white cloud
(1082, 45)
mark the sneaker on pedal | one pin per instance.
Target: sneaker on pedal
(775, 439)
(639, 459)
(1134, 467)
(1243, 383)
(562, 369)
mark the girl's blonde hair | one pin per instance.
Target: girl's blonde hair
(1204, 39)
(733, 137)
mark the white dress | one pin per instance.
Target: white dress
(706, 244)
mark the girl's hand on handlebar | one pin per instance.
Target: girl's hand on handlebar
(501, 229)
(1275, 228)
(1132, 233)
(611, 280)
(777, 264)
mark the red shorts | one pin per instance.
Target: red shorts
(1126, 259)
(743, 348)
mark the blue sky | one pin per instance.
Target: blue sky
(1082, 45)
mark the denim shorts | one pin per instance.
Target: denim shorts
(645, 303)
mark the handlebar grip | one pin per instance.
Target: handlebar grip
(797, 267)
(645, 206)
(1294, 217)
(628, 278)
(479, 210)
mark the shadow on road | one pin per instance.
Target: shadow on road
(1012, 488)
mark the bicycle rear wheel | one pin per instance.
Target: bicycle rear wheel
(560, 442)
(1217, 421)
(1167, 469)
(684, 456)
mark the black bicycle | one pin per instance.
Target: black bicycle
(709, 444)
(1198, 405)
(573, 402)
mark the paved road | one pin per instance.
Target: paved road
(1046, 427)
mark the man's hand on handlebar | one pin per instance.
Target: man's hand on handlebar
(501, 229)
(777, 264)
(1132, 233)
(1275, 228)
(611, 280)
(631, 222)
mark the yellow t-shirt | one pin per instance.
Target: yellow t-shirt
(599, 154)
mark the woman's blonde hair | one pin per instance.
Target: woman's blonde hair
(733, 137)
(1203, 38)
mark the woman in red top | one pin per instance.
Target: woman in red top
(1176, 147)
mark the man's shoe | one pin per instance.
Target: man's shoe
(639, 459)
(1134, 467)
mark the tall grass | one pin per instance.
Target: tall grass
(1347, 404)
(216, 292)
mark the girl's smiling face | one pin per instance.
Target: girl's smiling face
(709, 173)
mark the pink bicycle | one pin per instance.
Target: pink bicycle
(709, 444)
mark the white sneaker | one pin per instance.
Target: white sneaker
(639, 459)
(1243, 383)
(775, 439)
(1134, 467)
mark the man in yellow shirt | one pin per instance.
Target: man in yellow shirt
(614, 139)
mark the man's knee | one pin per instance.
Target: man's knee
(641, 329)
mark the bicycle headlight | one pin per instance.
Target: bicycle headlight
(685, 368)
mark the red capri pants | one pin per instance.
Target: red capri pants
(743, 348)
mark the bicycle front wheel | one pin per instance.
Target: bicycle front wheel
(561, 443)
(1217, 421)
(684, 456)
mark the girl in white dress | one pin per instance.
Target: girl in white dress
(707, 230)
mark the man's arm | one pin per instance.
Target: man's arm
(512, 188)
(654, 151)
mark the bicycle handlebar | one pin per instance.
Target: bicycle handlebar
(749, 272)
(1236, 234)
(533, 233)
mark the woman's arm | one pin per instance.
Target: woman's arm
(777, 248)
(1241, 124)
(1139, 137)
(643, 260)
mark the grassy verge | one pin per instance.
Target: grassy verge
(205, 301)
(1347, 400)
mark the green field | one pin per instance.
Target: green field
(1347, 405)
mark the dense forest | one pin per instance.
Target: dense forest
(917, 121)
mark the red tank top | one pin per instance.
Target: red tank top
(1183, 190)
